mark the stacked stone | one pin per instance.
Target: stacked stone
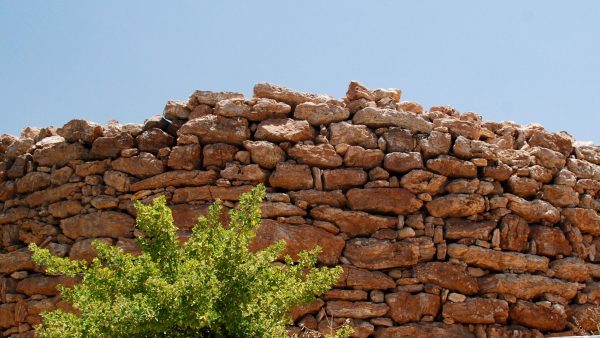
(445, 225)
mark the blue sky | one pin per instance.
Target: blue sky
(527, 61)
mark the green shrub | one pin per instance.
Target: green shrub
(211, 286)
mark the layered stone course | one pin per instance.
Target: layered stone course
(446, 225)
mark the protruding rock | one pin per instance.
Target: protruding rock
(355, 309)
(354, 135)
(374, 254)
(291, 177)
(265, 154)
(321, 113)
(33, 181)
(287, 95)
(142, 166)
(55, 151)
(185, 157)
(344, 178)
(98, 224)
(176, 178)
(424, 330)
(561, 142)
(363, 158)
(284, 130)
(83, 130)
(377, 117)
(176, 110)
(586, 220)
(315, 197)
(526, 286)
(218, 154)
(402, 162)
(422, 181)
(452, 167)
(253, 109)
(104, 147)
(477, 311)
(549, 241)
(405, 308)
(354, 223)
(211, 98)
(535, 211)
(497, 260)
(154, 139)
(447, 275)
(514, 233)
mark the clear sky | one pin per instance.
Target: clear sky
(526, 61)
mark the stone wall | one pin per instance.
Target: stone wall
(446, 225)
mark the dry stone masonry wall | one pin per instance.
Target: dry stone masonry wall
(446, 225)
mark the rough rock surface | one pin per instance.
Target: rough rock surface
(446, 225)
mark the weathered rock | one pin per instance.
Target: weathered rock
(287, 95)
(435, 144)
(477, 311)
(33, 181)
(561, 196)
(535, 211)
(405, 308)
(142, 166)
(500, 172)
(211, 98)
(367, 280)
(452, 167)
(363, 158)
(65, 209)
(57, 152)
(117, 180)
(523, 186)
(526, 286)
(301, 310)
(16, 261)
(374, 254)
(284, 130)
(92, 168)
(458, 228)
(7, 315)
(377, 117)
(186, 157)
(549, 241)
(447, 275)
(422, 181)
(256, 109)
(280, 209)
(76, 130)
(209, 193)
(84, 250)
(154, 139)
(298, 238)
(467, 149)
(344, 178)
(585, 317)
(548, 158)
(321, 113)
(51, 195)
(561, 142)
(7, 190)
(583, 169)
(456, 205)
(585, 219)
(384, 200)
(537, 316)
(349, 295)
(265, 154)
(176, 110)
(468, 129)
(402, 162)
(497, 260)
(175, 179)
(514, 233)
(251, 172)
(216, 129)
(572, 269)
(218, 154)
(353, 223)
(354, 135)
(424, 330)
(111, 146)
(42, 285)
(315, 197)
(359, 310)
(322, 155)
(399, 140)
(291, 177)
(98, 224)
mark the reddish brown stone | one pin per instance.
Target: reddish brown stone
(500, 172)
(523, 186)
(298, 238)
(322, 155)
(154, 139)
(535, 211)
(405, 308)
(586, 220)
(359, 310)
(550, 241)
(284, 130)
(216, 129)
(560, 142)
(7, 315)
(186, 157)
(514, 233)
(291, 177)
(424, 330)
(7, 190)
(287, 95)
(117, 180)
(83, 249)
(399, 140)
(265, 154)
(280, 209)
(456, 205)
(497, 260)
(572, 269)
(452, 167)
(218, 154)
(543, 318)
(585, 317)
(468, 149)
(175, 179)
(402, 162)
(255, 109)
(98, 224)
(315, 197)
(363, 158)
(58, 153)
(354, 223)
(51, 195)
(209, 193)
(321, 113)
(354, 135)
(477, 311)
(142, 166)
(211, 98)
(422, 181)
(383, 200)
(344, 178)
(33, 181)
(459, 228)
(374, 254)
(43, 285)
(15, 214)
(447, 275)
(348, 295)
(378, 117)
(468, 129)
(76, 130)
(104, 147)
(15, 261)
(92, 168)
(302, 310)
(368, 280)
(526, 286)
(435, 144)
